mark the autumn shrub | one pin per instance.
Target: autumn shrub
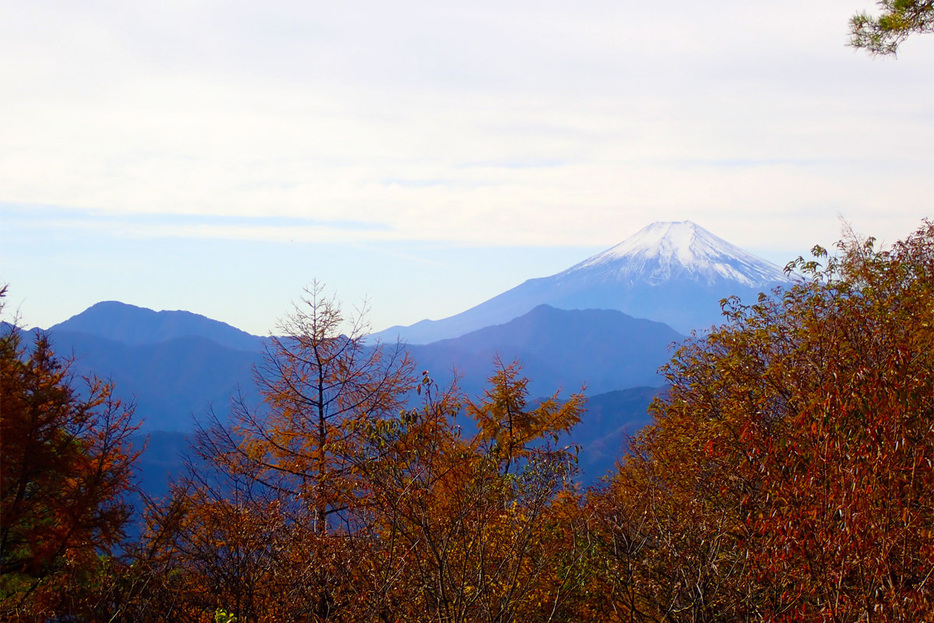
(788, 473)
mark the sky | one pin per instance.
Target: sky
(419, 158)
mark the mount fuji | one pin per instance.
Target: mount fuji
(670, 272)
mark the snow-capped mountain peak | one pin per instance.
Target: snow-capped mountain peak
(667, 250)
(676, 273)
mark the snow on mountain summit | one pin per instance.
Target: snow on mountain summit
(669, 250)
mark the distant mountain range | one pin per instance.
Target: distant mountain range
(571, 330)
(178, 379)
(675, 273)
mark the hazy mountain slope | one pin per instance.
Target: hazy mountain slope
(675, 273)
(602, 349)
(133, 325)
(162, 459)
(606, 426)
(177, 380)
(171, 382)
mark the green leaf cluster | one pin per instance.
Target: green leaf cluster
(883, 33)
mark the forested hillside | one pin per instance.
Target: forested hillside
(787, 475)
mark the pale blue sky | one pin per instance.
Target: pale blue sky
(217, 156)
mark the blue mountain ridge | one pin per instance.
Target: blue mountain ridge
(132, 325)
(600, 349)
(177, 380)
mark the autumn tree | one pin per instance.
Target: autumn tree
(660, 540)
(507, 424)
(899, 19)
(319, 382)
(465, 523)
(346, 495)
(205, 552)
(65, 469)
(271, 520)
(787, 475)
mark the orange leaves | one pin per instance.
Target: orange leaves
(319, 382)
(505, 422)
(800, 436)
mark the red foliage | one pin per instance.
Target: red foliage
(65, 465)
